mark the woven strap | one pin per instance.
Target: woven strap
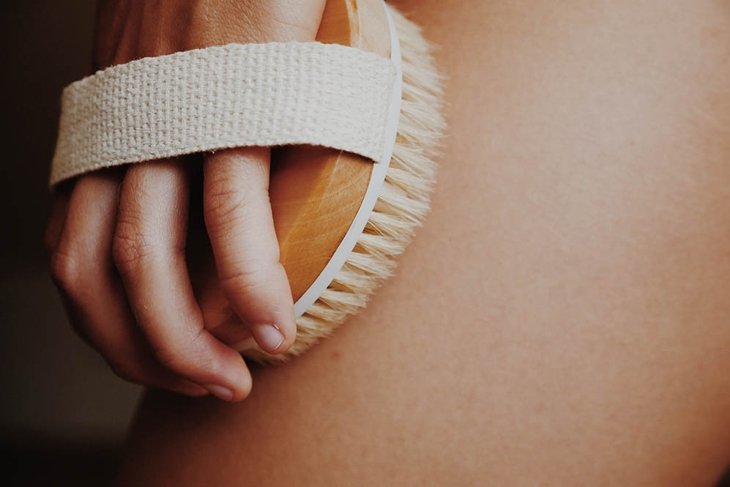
(225, 96)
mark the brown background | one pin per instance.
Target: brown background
(61, 411)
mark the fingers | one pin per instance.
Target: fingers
(149, 251)
(241, 230)
(81, 267)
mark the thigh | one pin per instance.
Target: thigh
(562, 318)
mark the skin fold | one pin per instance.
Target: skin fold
(561, 319)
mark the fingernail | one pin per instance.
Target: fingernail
(220, 392)
(268, 337)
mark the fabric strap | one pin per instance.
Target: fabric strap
(225, 96)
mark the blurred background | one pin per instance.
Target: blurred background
(63, 414)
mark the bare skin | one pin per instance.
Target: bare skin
(562, 319)
(117, 239)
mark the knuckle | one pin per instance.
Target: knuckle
(129, 246)
(223, 203)
(67, 270)
(228, 192)
(252, 275)
(246, 280)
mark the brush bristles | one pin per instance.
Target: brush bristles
(401, 206)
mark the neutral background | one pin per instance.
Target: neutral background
(58, 401)
(63, 414)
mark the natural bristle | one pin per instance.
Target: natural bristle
(402, 203)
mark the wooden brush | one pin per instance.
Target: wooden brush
(340, 217)
(337, 246)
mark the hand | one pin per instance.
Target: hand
(117, 238)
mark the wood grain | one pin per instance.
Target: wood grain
(316, 192)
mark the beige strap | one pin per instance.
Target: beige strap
(225, 96)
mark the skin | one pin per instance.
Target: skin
(562, 318)
(117, 239)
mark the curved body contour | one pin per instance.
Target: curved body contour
(562, 317)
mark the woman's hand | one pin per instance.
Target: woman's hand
(117, 238)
